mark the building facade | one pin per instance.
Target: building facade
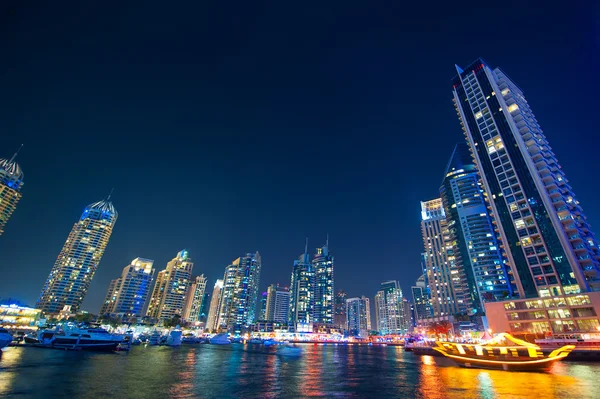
(278, 303)
(438, 259)
(263, 306)
(212, 319)
(323, 267)
(358, 311)
(194, 299)
(421, 300)
(549, 242)
(340, 310)
(484, 273)
(390, 313)
(240, 293)
(11, 182)
(168, 296)
(128, 294)
(302, 291)
(78, 260)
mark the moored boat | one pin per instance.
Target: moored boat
(70, 337)
(220, 339)
(5, 338)
(174, 338)
(502, 352)
(154, 338)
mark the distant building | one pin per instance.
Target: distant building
(205, 307)
(16, 315)
(323, 267)
(78, 260)
(11, 182)
(240, 293)
(263, 306)
(128, 294)
(422, 301)
(278, 303)
(340, 310)
(302, 290)
(193, 299)
(212, 320)
(438, 258)
(168, 296)
(358, 313)
(389, 309)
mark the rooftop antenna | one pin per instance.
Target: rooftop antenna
(110, 194)
(327, 241)
(306, 246)
(15, 154)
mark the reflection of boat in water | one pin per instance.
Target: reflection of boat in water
(502, 352)
(220, 339)
(289, 350)
(5, 338)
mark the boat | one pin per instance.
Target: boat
(5, 338)
(255, 341)
(154, 338)
(271, 342)
(289, 350)
(69, 337)
(503, 352)
(220, 339)
(174, 338)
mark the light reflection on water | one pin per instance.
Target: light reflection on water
(239, 371)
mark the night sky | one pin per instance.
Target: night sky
(250, 127)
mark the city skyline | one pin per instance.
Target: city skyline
(346, 108)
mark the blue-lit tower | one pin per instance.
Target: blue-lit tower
(11, 182)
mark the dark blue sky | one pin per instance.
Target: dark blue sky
(251, 126)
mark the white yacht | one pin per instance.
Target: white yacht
(78, 338)
(220, 339)
(174, 338)
(5, 338)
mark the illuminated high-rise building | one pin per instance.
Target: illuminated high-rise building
(212, 320)
(389, 309)
(358, 312)
(549, 244)
(322, 265)
(78, 260)
(302, 290)
(240, 293)
(340, 310)
(128, 294)
(172, 283)
(194, 299)
(485, 274)
(438, 259)
(422, 301)
(11, 182)
(263, 306)
(278, 303)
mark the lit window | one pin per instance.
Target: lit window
(513, 107)
(478, 115)
(505, 92)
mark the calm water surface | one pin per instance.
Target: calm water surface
(206, 371)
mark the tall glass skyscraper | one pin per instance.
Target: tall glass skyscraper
(278, 303)
(485, 275)
(322, 265)
(358, 312)
(438, 259)
(340, 309)
(168, 296)
(194, 299)
(422, 301)
(212, 319)
(78, 260)
(302, 290)
(389, 309)
(128, 294)
(240, 293)
(551, 248)
(11, 182)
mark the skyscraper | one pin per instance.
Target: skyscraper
(128, 294)
(358, 313)
(389, 309)
(438, 263)
(263, 306)
(302, 290)
(322, 265)
(550, 245)
(78, 260)
(340, 310)
(477, 252)
(240, 293)
(212, 320)
(193, 299)
(168, 296)
(422, 302)
(11, 182)
(278, 303)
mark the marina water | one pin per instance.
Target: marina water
(246, 371)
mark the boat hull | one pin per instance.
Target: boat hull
(90, 345)
(540, 364)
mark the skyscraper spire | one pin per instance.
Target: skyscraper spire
(306, 247)
(15, 154)
(327, 241)
(110, 194)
